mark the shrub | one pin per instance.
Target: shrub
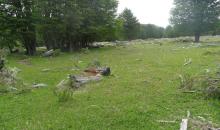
(10, 83)
(64, 90)
(186, 81)
(208, 84)
(211, 86)
(64, 96)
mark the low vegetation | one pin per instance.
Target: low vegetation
(143, 91)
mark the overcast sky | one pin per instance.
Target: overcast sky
(149, 11)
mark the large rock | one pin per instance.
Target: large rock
(48, 53)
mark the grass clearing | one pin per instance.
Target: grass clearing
(144, 88)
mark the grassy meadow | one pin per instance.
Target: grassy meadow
(143, 89)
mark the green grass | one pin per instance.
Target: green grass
(144, 88)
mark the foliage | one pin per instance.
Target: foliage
(64, 24)
(207, 83)
(131, 25)
(186, 81)
(64, 90)
(211, 86)
(195, 16)
(169, 32)
(9, 82)
(150, 31)
(64, 96)
(76, 24)
(18, 24)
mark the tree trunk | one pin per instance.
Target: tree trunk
(48, 46)
(197, 38)
(30, 48)
(30, 43)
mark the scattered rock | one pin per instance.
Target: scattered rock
(48, 53)
(51, 53)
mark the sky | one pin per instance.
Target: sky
(149, 11)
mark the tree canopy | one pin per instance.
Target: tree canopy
(131, 25)
(71, 25)
(150, 31)
(195, 16)
(65, 24)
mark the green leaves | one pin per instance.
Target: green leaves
(197, 16)
(131, 25)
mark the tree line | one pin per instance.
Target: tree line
(64, 24)
(67, 25)
(70, 25)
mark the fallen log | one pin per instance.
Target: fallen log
(77, 81)
(103, 71)
(74, 82)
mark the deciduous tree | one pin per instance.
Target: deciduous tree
(197, 16)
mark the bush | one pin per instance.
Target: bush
(186, 81)
(3, 53)
(64, 90)
(208, 84)
(10, 83)
(64, 96)
(211, 86)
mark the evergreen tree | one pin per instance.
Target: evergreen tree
(131, 26)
